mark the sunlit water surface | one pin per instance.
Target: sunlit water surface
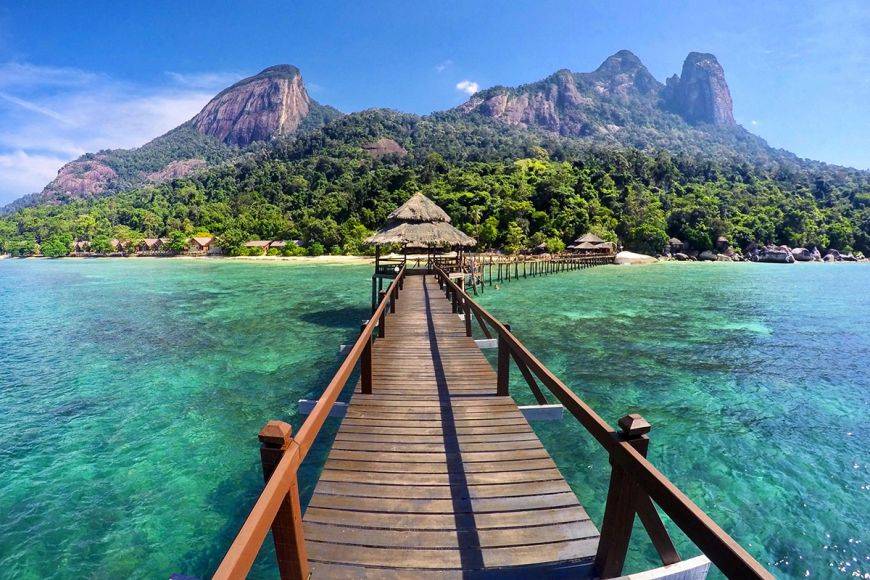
(131, 393)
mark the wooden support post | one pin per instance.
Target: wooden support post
(382, 321)
(504, 366)
(624, 499)
(466, 309)
(365, 365)
(287, 533)
(393, 297)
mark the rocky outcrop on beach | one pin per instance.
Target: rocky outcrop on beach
(628, 258)
(773, 255)
(707, 256)
(802, 255)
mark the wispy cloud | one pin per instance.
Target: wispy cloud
(33, 107)
(468, 87)
(51, 115)
(443, 66)
(203, 80)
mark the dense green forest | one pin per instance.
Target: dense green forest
(509, 188)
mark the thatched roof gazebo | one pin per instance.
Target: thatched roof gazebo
(589, 238)
(589, 243)
(418, 224)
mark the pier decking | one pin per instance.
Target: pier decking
(434, 473)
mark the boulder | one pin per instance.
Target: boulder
(817, 256)
(802, 255)
(724, 258)
(632, 258)
(681, 257)
(830, 258)
(707, 256)
(776, 255)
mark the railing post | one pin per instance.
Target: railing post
(382, 321)
(466, 309)
(620, 507)
(276, 437)
(365, 365)
(504, 365)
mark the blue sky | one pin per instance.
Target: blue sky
(81, 76)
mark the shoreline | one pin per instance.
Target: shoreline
(368, 260)
(326, 259)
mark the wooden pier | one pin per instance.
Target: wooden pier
(435, 472)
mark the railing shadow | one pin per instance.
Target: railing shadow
(470, 553)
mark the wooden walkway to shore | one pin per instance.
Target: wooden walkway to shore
(435, 475)
(435, 472)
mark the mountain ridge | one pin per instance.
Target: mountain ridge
(269, 104)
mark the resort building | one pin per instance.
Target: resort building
(81, 247)
(201, 245)
(675, 245)
(589, 244)
(150, 245)
(262, 245)
(423, 232)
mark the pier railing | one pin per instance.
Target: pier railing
(279, 508)
(635, 483)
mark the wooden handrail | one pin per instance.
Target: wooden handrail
(717, 545)
(244, 549)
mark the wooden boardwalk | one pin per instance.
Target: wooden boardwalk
(433, 475)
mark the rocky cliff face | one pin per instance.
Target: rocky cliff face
(569, 103)
(620, 94)
(700, 94)
(271, 103)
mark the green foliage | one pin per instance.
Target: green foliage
(57, 246)
(509, 188)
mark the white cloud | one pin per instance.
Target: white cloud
(51, 115)
(20, 171)
(754, 122)
(468, 87)
(443, 65)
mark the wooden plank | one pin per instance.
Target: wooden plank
(432, 473)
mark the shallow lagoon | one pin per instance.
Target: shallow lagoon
(132, 391)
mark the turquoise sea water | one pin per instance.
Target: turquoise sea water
(131, 392)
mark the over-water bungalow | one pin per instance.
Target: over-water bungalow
(200, 245)
(591, 245)
(262, 245)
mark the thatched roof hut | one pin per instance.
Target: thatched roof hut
(419, 223)
(588, 237)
